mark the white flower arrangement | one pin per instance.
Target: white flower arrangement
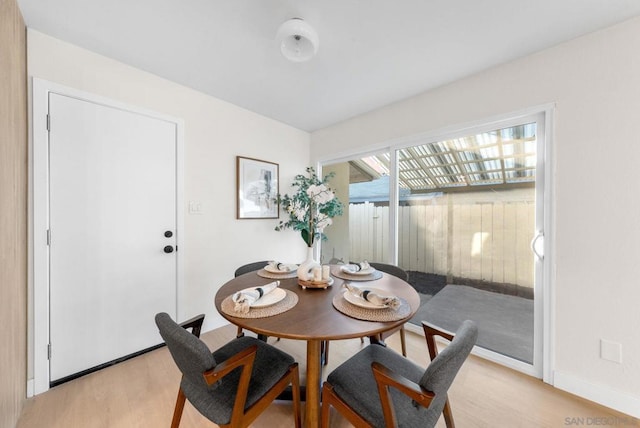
(311, 208)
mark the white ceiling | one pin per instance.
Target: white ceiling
(372, 52)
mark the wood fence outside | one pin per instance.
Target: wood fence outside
(454, 235)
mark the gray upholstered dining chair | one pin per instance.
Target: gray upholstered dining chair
(394, 270)
(378, 387)
(398, 273)
(250, 267)
(403, 275)
(233, 385)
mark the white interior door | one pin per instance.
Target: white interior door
(112, 221)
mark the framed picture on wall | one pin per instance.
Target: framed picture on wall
(257, 187)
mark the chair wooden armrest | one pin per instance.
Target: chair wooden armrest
(430, 332)
(388, 378)
(195, 324)
(242, 359)
(385, 379)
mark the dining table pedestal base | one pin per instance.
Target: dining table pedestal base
(314, 373)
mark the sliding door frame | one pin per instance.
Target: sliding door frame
(544, 306)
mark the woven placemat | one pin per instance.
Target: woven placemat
(290, 300)
(367, 314)
(371, 277)
(285, 275)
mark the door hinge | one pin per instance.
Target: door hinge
(48, 351)
(48, 237)
(48, 123)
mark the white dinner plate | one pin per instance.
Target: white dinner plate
(367, 271)
(271, 269)
(270, 299)
(358, 301)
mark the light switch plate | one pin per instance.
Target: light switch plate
(195, 207)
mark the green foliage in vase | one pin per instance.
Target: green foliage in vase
(311, 208)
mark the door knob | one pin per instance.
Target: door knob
(168, 249)
(168, 234)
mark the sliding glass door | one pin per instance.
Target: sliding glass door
(463, 215)
(465, 226)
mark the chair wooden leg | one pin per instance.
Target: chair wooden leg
(403, 342)
(177, 412)
(295, 392)
(448, 415)
(326, 408)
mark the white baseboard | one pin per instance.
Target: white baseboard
(601, 394)
(212, 323)
(31, 387)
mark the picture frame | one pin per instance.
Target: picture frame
(257, 186)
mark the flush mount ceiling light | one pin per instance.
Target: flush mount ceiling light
(298, 40)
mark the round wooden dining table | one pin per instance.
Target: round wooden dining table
(314, 320)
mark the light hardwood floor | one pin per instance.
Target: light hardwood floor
(141, 393)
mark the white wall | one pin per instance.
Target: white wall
(595, 83)
(215, 133)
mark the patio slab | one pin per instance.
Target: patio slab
(505, 323)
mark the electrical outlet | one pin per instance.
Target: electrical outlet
(611, 351)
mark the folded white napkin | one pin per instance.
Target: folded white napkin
(281, 267)
(245, 298)
(392, 302)
(355, 267)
